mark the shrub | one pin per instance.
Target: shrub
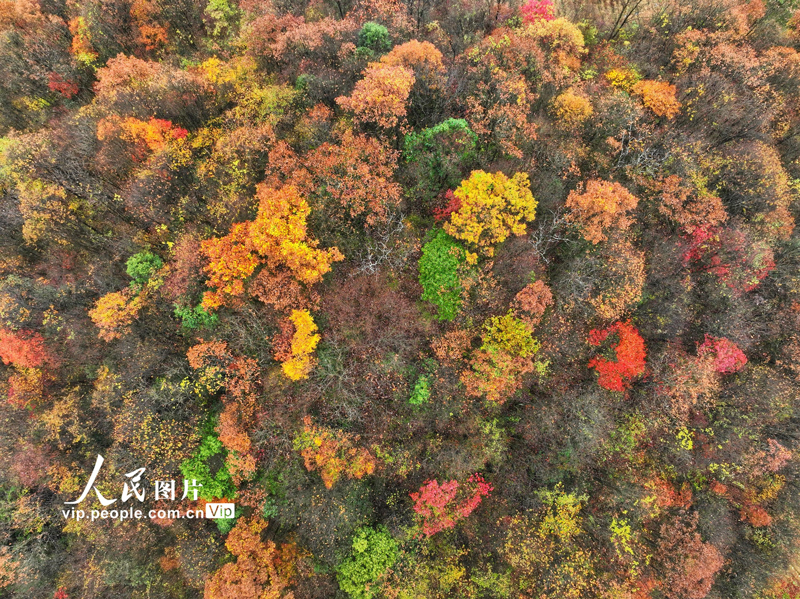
(421, 393)
(572, 109)
(195, 318)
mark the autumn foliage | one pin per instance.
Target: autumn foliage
(601, 208)
(532, 301)
(278, 237)
(114, 313)
(658, 96)
(326, 260)
(382, 95)
(332, 453)
(506, 354)
(262, 568)
(441, 506)
(493, 207)
(628, 360)
(298, 360)
(534, 10)
(728, 358)
(24, 349)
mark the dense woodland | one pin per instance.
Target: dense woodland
(452, 298)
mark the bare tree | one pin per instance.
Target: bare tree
(550, 232)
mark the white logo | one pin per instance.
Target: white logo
(220, 510)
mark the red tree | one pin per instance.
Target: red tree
(728, 358)
(629, 351)
(441, 506)
(24, 349)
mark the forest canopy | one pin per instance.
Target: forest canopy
(450, 298)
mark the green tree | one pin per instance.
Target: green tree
(216, 484)
(438, 157)
(441, 268)
(140, 267)
(373, 552)
(375, 37)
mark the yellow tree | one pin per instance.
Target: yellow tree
(493, 207)
(546, 549)
(114, 313)
(571, 109)
(280, 234)
(304, 341)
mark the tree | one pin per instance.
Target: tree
(532, 301)
(348, 183)
(280, 234)
(114, 313)
(23, 349)
(728, 358)
(659, 97)
(688, 208)
(505, 356)
(440, 507)
(374, 37)
(381, 96)
(438, 156)
(690, 565)
(148, 136)
(441, 268)
(355, 178)
(628, 356)
(734, 255)
(620, 273)
(545, 547)
(505, 73)
(373, 552)
(214, 485)
(572, 109)
(333, 453)
(600, 208)
(687, 381)
(493, 207)
(304, 340)
(262, 569)
(230, 262)
(278, 237)
(534, 10)
(140, 267)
